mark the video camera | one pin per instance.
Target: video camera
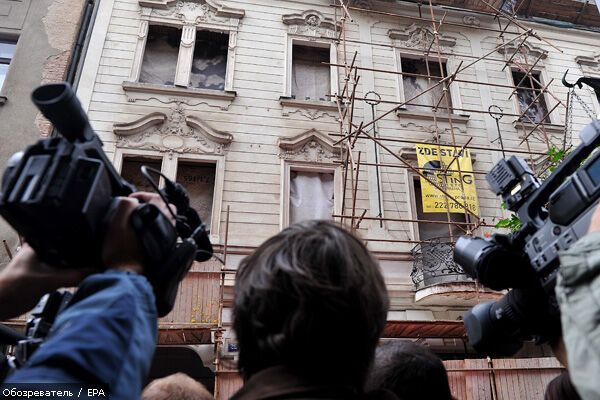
(554, 213)
(60, 192)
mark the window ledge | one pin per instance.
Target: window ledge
(551, 128)
(458, 118)
(137, 87)
(3, 100)
(315, 104)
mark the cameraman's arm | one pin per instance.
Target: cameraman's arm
(578, 295)
(108, 332)
(25, 279)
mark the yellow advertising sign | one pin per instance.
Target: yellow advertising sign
(433, 161)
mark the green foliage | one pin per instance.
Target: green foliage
(513, 223)
(555, 156)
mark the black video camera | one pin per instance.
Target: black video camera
(554, 213)
(59, 193)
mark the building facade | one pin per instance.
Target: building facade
(274, 112)
(37, 45)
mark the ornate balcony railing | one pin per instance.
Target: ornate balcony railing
(433, 264)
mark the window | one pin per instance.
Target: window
(199, 180)
(311, 195)
(428, 231)
(7, 51)
(413, 85)
(131, 171)
(527, 91)
(160, 57)
(209, 65)
(311, 79)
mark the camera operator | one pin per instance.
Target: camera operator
(578, 294)
(107, 334)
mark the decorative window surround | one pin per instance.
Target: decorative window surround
(173, 138)
(590, 66)
(310, 151)
(419, 38)
(456, 118)
(309, 29)
(137, 87)
(189, 17)
(526, 55)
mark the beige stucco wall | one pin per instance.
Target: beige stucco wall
(46, 31)
(252, 163)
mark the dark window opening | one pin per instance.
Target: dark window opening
(199, 181)
(210, 60)
(311, 79)
(131, 172)
(428, 231)
(527, 90)
(160, 56)
(414, 85)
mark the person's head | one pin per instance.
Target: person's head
(311, 298)
(561, 388)
(176, 387)
(410, 371)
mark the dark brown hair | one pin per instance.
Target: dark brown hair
(410, 371)
(311, 298)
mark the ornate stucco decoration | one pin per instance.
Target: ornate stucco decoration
(525, 54)
(310, 23)
(175, 132)
(192, 11)
(418, 37)
(310, 146)
(589, 65)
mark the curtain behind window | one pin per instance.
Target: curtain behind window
(160, 56)
(311, 79)
(311, 196)
(199, 181)
(414, 85)
(527, 94)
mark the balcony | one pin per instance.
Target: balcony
(440, 281)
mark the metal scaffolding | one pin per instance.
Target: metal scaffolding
(513, 41)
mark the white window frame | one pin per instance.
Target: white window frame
(169, 164)
(288, 166)
(554, 115)
(188, 29)
(292, 40)
(7, 61)
(451, 67)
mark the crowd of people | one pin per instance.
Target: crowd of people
(311, 281)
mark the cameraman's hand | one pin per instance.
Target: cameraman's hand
(121, 249)
(595, 223)
(25, 279)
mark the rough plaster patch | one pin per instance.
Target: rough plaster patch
(61, 23)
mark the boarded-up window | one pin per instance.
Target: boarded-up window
(311, 79)
(199, 181)
(311, 195)
(160, 56)
(414, 85)
(131, 171)
(7, 51)
(527, 90)
(210, 60)
(429, 231)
